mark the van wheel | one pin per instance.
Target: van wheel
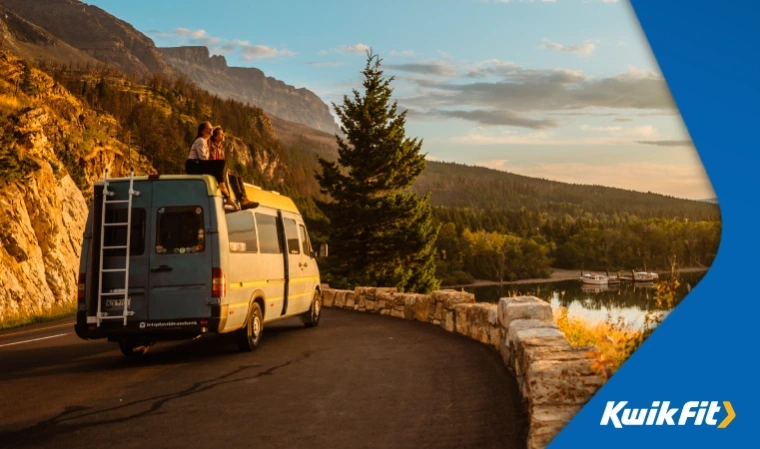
(249, 336)
(311, 318)
(131, 348)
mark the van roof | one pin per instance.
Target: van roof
(211, 184)
(270, 199)
(255, 193)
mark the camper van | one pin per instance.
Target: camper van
(162, 259)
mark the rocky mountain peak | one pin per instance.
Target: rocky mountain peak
(251, 85)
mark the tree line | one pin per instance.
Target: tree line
(492, 225)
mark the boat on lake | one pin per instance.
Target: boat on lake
(645, 276)
(593, 279)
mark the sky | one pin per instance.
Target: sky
(567, 90)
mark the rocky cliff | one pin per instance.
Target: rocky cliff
(69, 30)
(250, 85)
(52, 149)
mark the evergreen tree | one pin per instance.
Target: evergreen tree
(381, 233)
(27, 84)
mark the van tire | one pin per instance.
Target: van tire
(131, 348)
(249, 336)
(311, 318)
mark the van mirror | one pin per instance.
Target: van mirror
(323, 250)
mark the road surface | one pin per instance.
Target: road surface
(356, 381)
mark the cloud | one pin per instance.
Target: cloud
(551, 90)
(325, 64)
(681, 180)
(431, 67)
(497, 118)
(249, 52)
(404, 53)
(620, 131)
(622, 119)
(218, 45)
(357, 49)
(322, 52)
(586, 49)
(667, 143)
(605, 136)
(182, 32)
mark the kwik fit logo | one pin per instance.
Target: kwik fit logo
(692, 413)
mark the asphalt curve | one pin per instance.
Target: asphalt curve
(356, 381)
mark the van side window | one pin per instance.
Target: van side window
(269, 238)
(241, 230)
(117, 235)
(306, 242)
(291, 230)
(180, 230)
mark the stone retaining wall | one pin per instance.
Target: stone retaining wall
(555, 379)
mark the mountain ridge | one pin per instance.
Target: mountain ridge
(72, 32)
(250, 85)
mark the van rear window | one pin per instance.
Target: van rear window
(180, 230)
(117, 235)
(270, 240)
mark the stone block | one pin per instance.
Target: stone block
(562, 382)
(438, 313)
(546, 422)
(448, 322)
(462, 319)
(367, 293)
(523, 307)
(449, 298)
(340, 298)
(328, 297)
(350, 300)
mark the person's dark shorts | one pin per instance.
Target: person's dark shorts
(214, 168)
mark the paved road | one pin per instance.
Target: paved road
(356, 381)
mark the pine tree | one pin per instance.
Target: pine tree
(381, 233)
(27, 83)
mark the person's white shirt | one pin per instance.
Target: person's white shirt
(199, 150)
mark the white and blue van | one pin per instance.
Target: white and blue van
(188, 266)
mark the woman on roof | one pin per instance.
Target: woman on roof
(216, 152)
(199, 161)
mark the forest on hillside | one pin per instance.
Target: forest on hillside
(493, 225)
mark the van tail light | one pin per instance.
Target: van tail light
(218, 283)
(81, 288)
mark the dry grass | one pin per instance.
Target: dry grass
(614, 341)
(57, 311)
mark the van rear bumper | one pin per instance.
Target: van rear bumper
(175, 329)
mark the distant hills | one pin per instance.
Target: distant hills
(70, 31)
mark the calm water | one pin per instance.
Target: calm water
(627, 300)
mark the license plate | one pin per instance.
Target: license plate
(114, 303)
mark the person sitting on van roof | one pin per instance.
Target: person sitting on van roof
(199, 162)
(236, 183)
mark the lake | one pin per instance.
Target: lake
(626, 300)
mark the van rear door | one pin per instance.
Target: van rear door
(180, 255)
(112, 302)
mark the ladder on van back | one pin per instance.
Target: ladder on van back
(124, 293)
